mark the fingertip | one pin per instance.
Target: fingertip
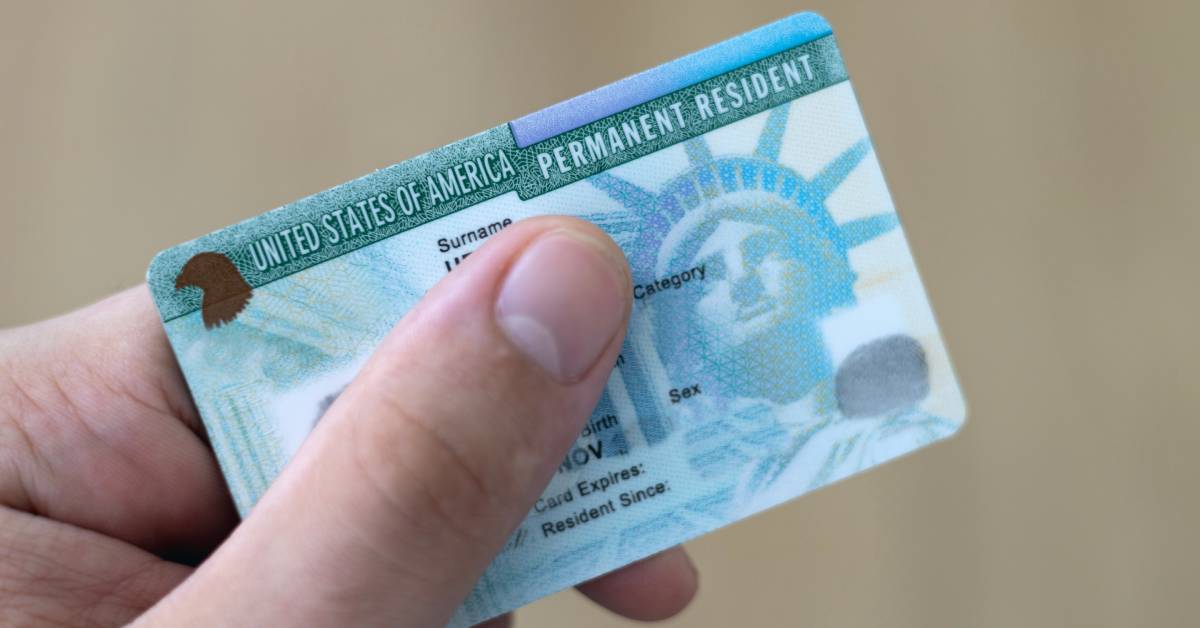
(503, 621)
(652, 589)
(563, 301)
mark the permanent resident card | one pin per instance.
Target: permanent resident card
(780, 338)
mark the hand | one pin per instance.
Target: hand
(389, 512)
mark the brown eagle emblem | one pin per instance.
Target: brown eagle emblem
(226, 293)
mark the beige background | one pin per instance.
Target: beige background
(1043, 157)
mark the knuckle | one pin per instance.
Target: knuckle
(452, 445)
(421, 474)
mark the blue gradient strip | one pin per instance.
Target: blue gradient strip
(701, 65)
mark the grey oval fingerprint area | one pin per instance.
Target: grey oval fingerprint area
(882, 376)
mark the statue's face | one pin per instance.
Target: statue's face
(752, 283)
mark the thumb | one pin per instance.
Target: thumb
(421, 470)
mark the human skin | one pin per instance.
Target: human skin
(112, 508)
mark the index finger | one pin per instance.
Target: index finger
(651, 589)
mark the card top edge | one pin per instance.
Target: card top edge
(668, 77)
